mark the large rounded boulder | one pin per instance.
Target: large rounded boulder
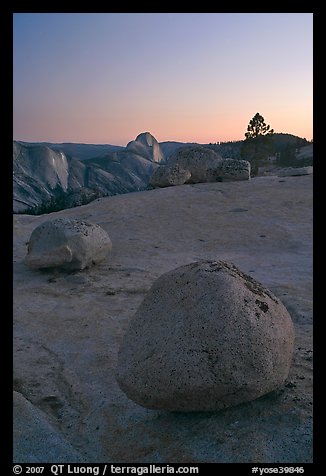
(206, 337)
(69, 244)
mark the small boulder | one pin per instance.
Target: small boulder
(206, 337)
(165, 176)
(67, 244)
(233, 169)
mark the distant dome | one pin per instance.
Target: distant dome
(146, 138)
(147, 146)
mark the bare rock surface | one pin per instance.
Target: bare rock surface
(68, 326)
(295, 171)
(68, 244)
(36, 440)
(206, 337)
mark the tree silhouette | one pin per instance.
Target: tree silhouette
(258, 144)
(257, 127)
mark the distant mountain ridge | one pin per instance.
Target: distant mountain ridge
(78, 151)
(52, 176)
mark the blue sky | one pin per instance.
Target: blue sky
(104, 78)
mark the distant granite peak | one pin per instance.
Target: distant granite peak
(147, 146)
(46, 179)
(146, 138)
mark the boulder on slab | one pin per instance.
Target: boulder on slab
(165, 176)
(68, 244)
(205, 165)
(206, 337)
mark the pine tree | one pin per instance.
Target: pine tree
(257, 127)
(258, 144)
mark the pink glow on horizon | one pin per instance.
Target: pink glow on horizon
(105, 78)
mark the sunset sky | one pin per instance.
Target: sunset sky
(190, 77)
